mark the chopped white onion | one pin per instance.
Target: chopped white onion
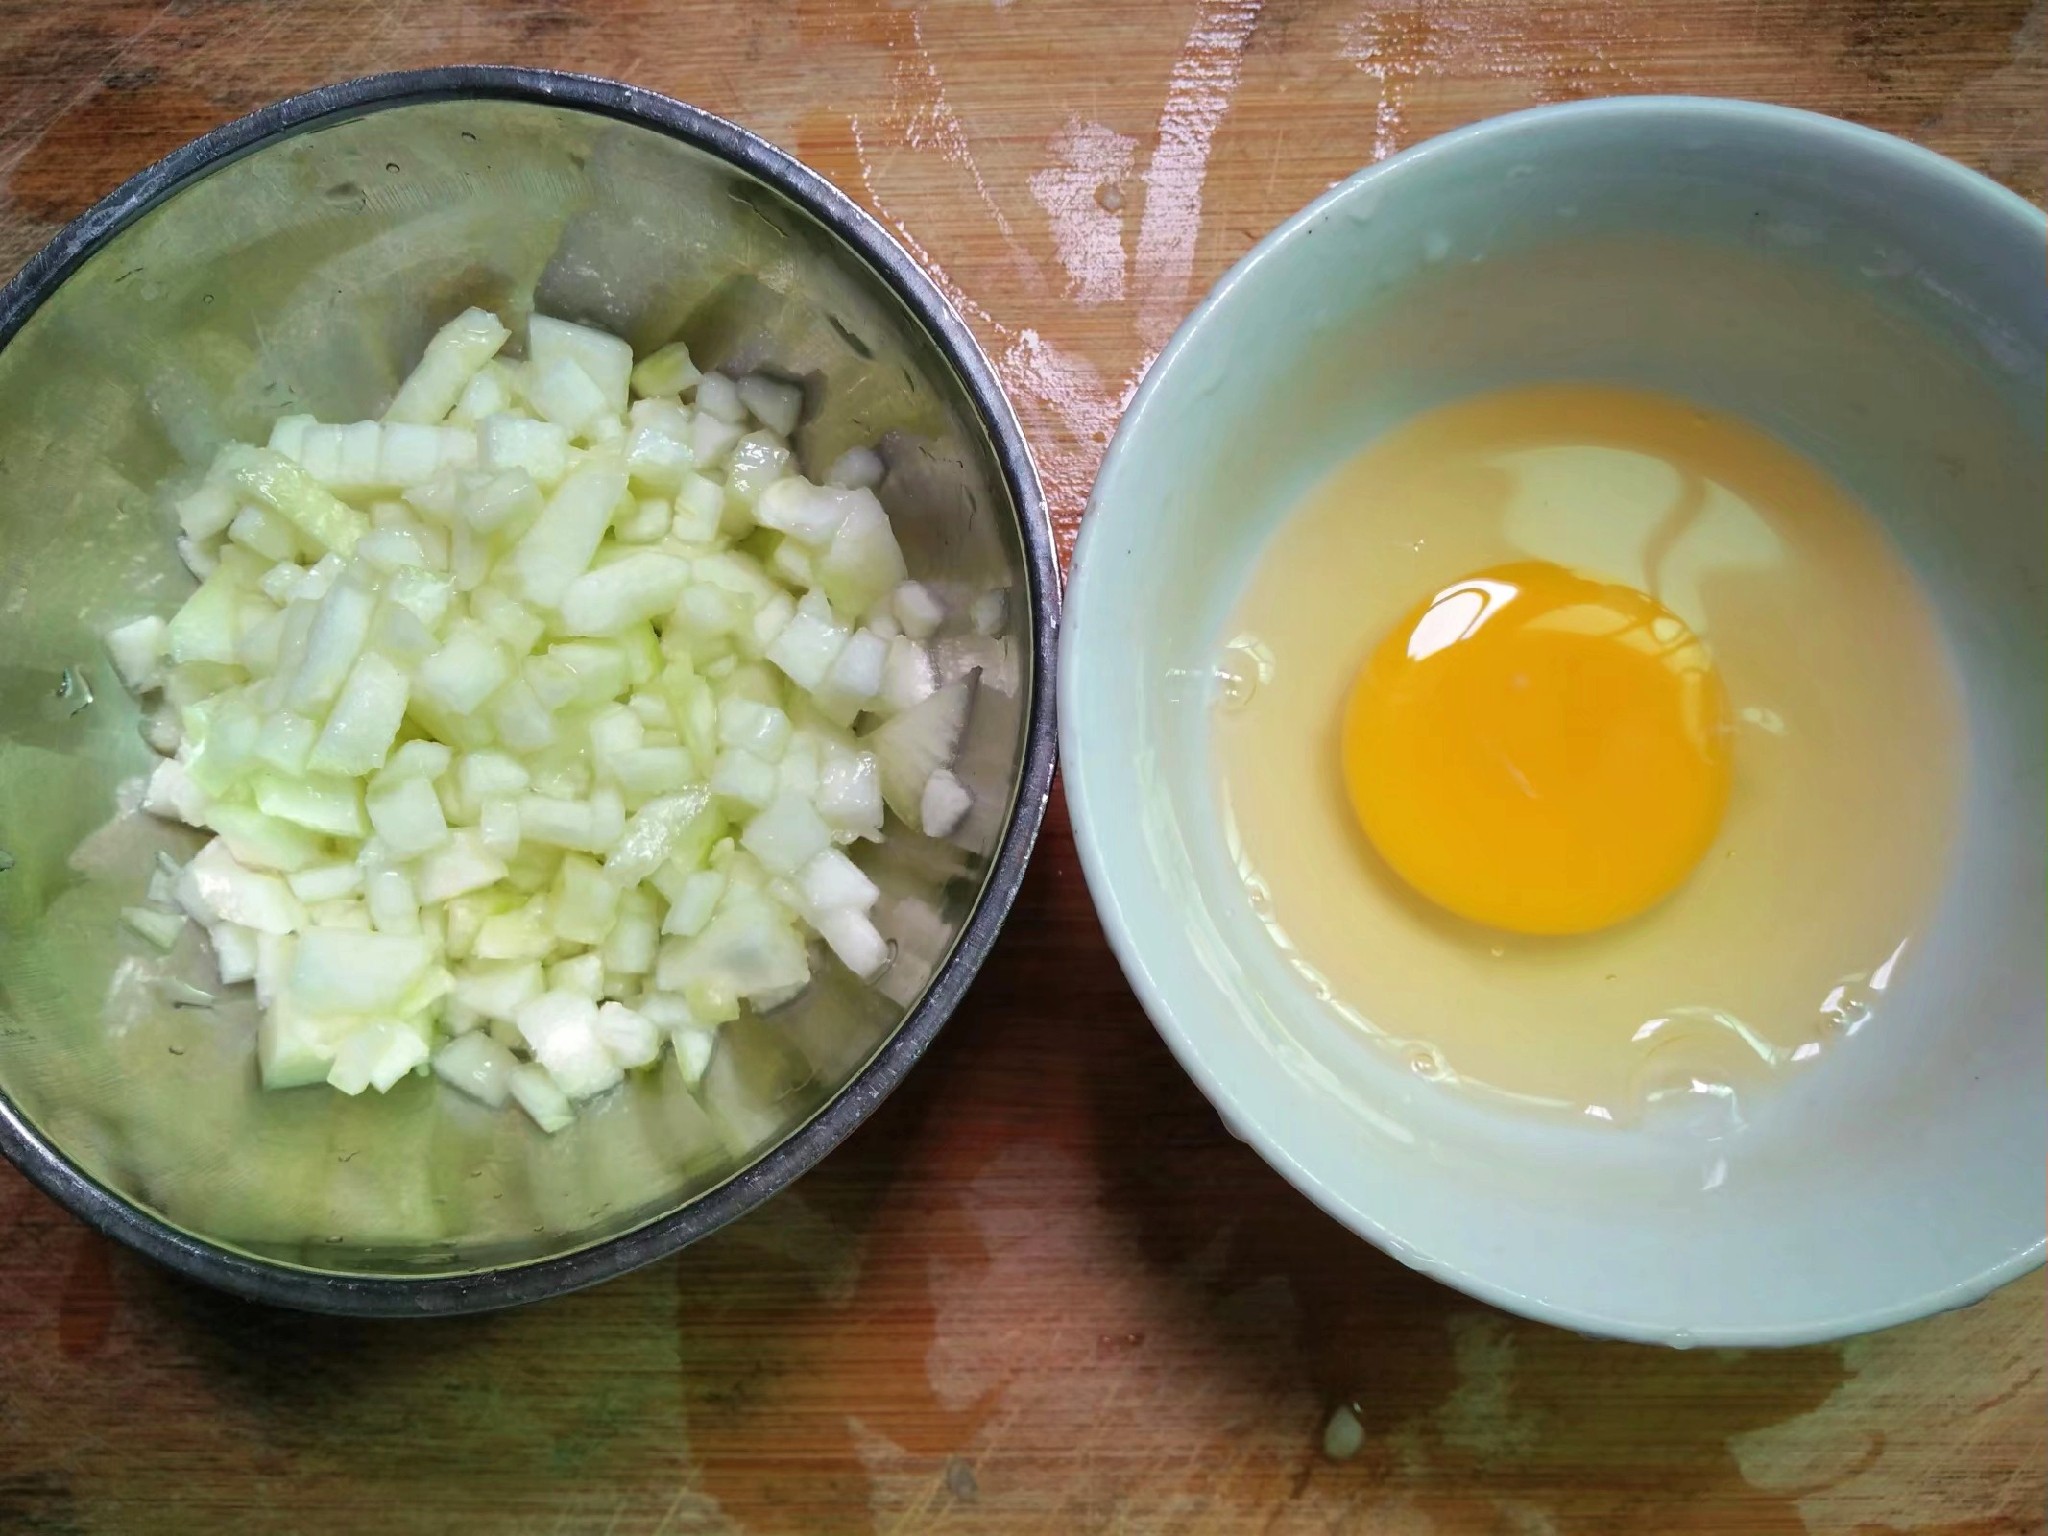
(159, 927)
(457, 352)
(477, 1065)
(918, 610)
(537, 1094)
(138, 650)
(857, 469)
(666, 371)
(521, 770)
(909, 748)
(944, 804)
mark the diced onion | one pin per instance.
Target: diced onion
(523, 719)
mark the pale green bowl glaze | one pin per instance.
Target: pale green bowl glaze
(1877, 307)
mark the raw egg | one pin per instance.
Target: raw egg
(1539, 750)
(1580, 745)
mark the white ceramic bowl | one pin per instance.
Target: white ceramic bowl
(1874, 305)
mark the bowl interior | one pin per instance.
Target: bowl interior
(1876, 308)
(305, 275)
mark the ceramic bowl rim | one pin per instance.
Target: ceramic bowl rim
(1883, 152)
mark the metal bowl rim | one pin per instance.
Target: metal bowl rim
(113, 1214)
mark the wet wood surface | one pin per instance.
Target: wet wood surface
(1042, 1290)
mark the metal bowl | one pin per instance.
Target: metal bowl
(297, 260)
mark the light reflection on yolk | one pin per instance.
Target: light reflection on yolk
(1539, 750)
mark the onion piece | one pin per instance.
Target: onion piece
(909, 748)
(522, 770)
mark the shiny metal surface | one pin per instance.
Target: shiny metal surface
(298, 260)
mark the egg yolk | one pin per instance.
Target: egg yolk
(1539, 750)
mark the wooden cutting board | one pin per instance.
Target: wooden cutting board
(1042, 1290)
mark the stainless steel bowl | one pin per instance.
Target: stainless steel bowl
(297, 260)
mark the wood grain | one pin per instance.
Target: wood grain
(1041, 1290)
